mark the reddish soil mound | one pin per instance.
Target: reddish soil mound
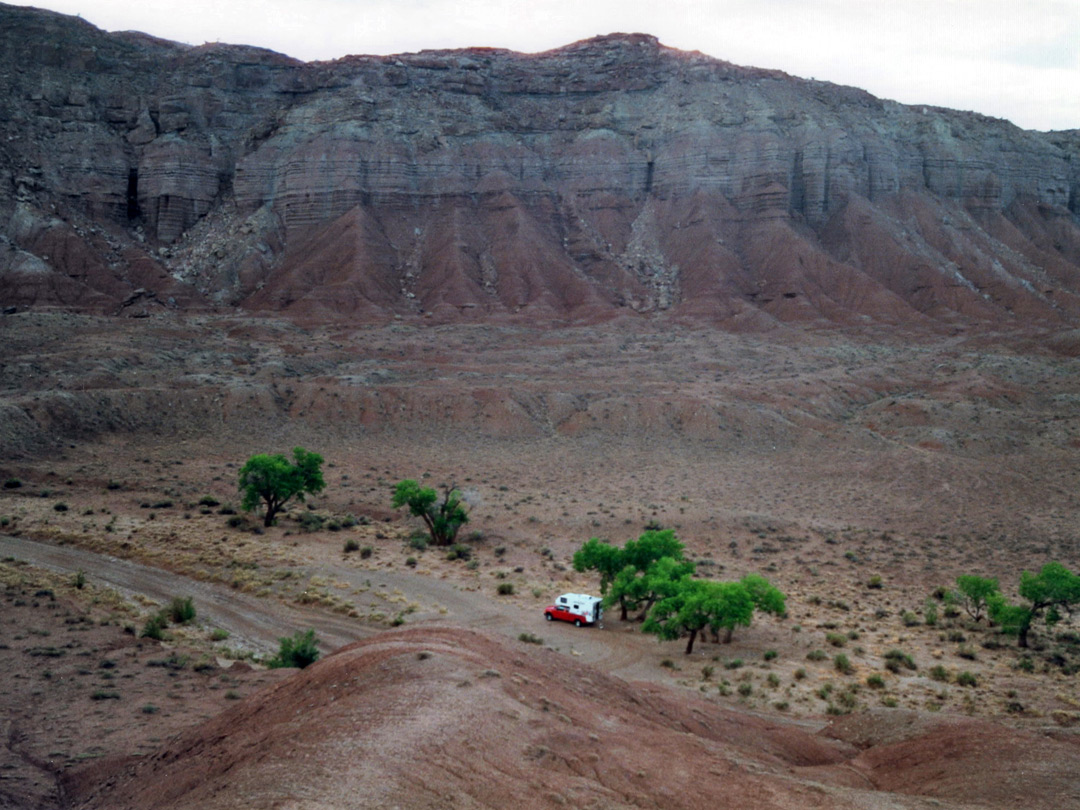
(452, 718)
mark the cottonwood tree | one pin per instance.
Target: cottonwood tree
(697, 605)
(638, 584)
(273, 480)
(975, 593)
(1053, 590)
(600, 556)
(443, 517)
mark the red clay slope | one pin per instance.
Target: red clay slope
(448, 718)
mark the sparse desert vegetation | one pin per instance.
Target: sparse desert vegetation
(865, 624)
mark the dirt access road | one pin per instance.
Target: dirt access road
(255, 624)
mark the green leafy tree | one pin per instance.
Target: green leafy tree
(599, 555)
(695, 605)
(273, 480)
(975, 593)
(651, 564)
(767, 597)
(443, 517)
(1053, 590)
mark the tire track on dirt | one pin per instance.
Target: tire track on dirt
(253, 623)
(256, 623)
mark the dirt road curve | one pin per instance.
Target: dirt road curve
(256, 623)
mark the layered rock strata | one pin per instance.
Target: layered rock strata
(611, 176)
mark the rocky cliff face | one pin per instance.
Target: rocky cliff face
(613, 175)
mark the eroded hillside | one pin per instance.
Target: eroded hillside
(611, 176)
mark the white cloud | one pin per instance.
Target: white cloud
(1016, 59)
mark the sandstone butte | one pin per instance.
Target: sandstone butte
(610, 177)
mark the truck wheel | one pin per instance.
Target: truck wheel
(577, 622)
(547, 616)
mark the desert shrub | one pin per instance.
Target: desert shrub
(707, 672)
(418, 541)
(875, 681)
(957, 637)
(60, 507)
(219, 634)
(1025, 664)
(939, 673)
(351, 544)
(299, 650)
(506, 589)
(459, 551)
(113, 485)
(162, 505)
(966, 678)
(847, 699)
(499, 551)
(366, 552)
(967, 652)
(79, 580)
(209, 500)
(836, 639)
(799, 674)
(181, 610)
(411, 562)
(310, 522)
(773, 680)
(895, 660)
(874, 582)
(930, 614)
(746, 689)
(12, 483)
(842, 664)
(155, 627)
(104, 694)
(529, 638)
(734, 663)
(769, 655)
(909, 619)
(237, 522)
(150, 708)
(816, 655)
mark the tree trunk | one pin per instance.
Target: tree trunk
(690, 642)
(622, 604)
(648, 606)
(727, 636)
(1022, 636)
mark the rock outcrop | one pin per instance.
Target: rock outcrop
(611, 176)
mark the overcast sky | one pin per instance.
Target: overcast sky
(1014, 59)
